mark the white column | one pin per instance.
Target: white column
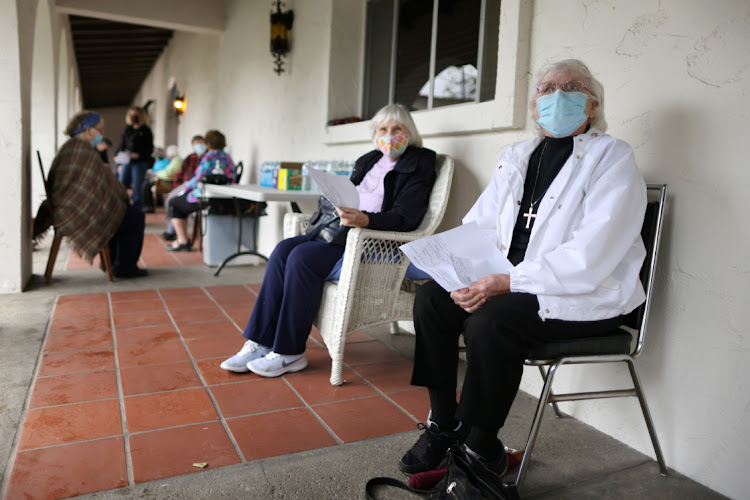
(16, 35)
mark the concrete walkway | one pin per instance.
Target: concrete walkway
(571, 460)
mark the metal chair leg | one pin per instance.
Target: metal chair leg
(554, 403)
(197, 232)
(543, 398)
(647, 417)
(52, 257)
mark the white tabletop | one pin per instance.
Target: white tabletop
(255, 192)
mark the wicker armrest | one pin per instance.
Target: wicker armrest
(295, 224)
(377, 250)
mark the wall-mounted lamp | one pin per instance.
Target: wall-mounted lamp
(281, 24)
(178, 102)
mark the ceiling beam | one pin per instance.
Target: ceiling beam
(120, 47)
(79, 41)
(138, 55)
(195, 16)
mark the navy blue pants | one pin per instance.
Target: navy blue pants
(126, 244)
(290, 294)
(133, 174)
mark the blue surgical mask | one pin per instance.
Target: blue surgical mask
(562, 113)
(96, 140)
(199, 149)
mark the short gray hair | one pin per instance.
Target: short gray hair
(400, 114)
(578, 70)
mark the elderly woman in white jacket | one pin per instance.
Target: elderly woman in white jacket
(566, 208)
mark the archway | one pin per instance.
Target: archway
(63, 94)
(43, 126)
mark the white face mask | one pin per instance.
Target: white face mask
(200, 148)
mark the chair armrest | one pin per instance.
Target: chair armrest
(368, 248)
(295, 224)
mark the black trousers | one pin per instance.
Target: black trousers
(498, 338)
(126, 244)
(180, 207)
(147, 196)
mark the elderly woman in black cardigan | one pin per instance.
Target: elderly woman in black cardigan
(394, 183)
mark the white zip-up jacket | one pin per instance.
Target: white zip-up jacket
(585, 250)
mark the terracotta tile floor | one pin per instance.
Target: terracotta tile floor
(129, 390)
(154, 253)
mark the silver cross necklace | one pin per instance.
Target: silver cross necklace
(530, 214)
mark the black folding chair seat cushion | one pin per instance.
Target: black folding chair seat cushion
(616, 342)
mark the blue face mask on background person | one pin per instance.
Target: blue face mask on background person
(96, 140)
(199, 149)
(562, 113)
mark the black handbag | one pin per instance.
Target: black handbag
(325, 224)
(467, 479)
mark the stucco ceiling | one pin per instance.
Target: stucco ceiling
(114, 58)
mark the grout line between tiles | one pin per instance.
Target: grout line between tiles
(215, 404)
(385, 395)
(314, 413)
(69, 373)
(68, 443)
(121, 398)
(75, 403)
(224, 312)
(5, 479)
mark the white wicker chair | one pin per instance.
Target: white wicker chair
(369, 290)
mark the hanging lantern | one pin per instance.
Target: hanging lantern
(281, 24)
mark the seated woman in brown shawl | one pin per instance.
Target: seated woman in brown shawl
(87, 204)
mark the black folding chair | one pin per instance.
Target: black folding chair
(615, 347)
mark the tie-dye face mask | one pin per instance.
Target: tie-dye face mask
(393, 145)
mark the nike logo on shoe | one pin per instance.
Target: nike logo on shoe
(284, 364)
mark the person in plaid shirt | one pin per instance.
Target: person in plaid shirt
(88, 205)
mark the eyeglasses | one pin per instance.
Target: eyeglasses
(549, 87)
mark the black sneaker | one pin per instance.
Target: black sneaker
(499, 465)
(168, 236)
(430, 449)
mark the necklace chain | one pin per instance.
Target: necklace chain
(538, 168)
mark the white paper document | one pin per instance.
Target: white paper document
(337, 188)
(457, 258)
(122, 158)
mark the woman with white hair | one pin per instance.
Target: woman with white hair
(394, 183)
(566, 208)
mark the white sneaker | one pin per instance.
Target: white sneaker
(250, 351)
(274, 364)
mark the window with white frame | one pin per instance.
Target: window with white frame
(427, 54)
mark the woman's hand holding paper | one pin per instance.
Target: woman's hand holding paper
(352, 217)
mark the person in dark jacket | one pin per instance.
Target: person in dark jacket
(394, 184)
(138, 142)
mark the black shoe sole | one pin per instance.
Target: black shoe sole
(183, 247)
(140, 273)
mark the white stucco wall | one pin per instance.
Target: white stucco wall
(36, 91)
(43, 102)
(675, 74)
(13, 154)
(189, 61)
